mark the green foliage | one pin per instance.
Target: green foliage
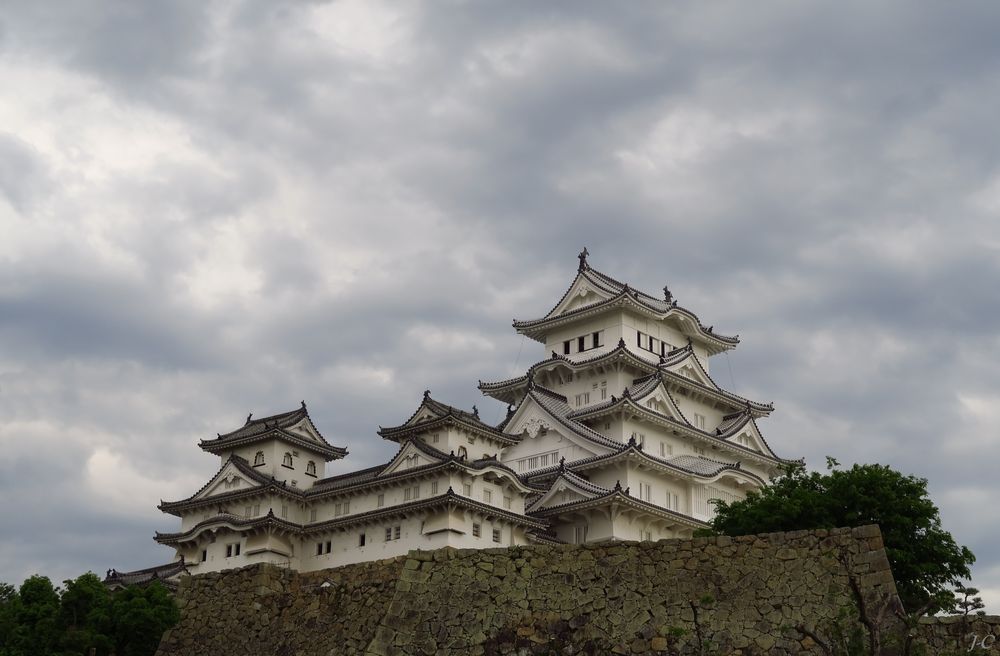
(41, 620)
(925, 559)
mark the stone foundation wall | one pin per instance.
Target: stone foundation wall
(976, 634)
(767, 594)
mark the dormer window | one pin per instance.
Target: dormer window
(287, 460)
(310, 468)
(258, 459)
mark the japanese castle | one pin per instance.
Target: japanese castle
(619, 433)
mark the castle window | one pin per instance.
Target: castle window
(328, 545)
(506, 503)
(645, 492)
(411, 493)
(287, 460)
(487, 496)
(647, 536)
(258, 459)
(395, 532)
(477, 530)
(284, 511)
(434, 487)
(388, 534)
(699, 421)
(361, 540)
(463, 453)
(467, 489)
(579, 534)
(381, 500)
(435, 438)
(232, 550)
(248, 511)
(319, 548)
(566, 347)
(580, 345)
(310, 468)
(204, 555)
(597, 339)
(312, 515)
(496, 535)
(666, 450)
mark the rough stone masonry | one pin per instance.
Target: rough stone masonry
(778, 593)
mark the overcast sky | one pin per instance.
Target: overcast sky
(211, 208)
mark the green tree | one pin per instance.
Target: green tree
(85, 616)
(141, 615)
(925, 559)
(36, 629)
(8, 607)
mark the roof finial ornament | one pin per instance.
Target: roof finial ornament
(249, 417)
(618, 486)
(562, 464)
(667, 296)
(427, 394)
(475, 411)
(303, 404)
(631, 440)
(554, 355)
(583, 260)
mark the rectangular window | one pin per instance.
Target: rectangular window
(506, 502)
(466, 489)
(435, 439)
(638, 339)
(699, 421)
(237, 549)
(566, 347)
(604, 390)
(395, 532)
(645, 492)
(256, 510)
(229, 551)
(476, 530)
(249, 509)
(319, 548)
(666, 450)
(204, 555)
(312, 515)
(579, 534)
(388, 534)
(284, 511)
(434, 487)
(328, 545)
(337, 510)
(580, 346)
(496, 535)
(487, 496)
(533, 462)
(544, 460)
(381, 500)
(361, 540)
(654, 345)
(647, 536)
(597, 339)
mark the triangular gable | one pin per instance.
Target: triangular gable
(659, 400)
(229, 479)
(581, 293)
(690, 367)
(749, 436)
(408, 457)
(565, 489)
(306, 429)
(534, 419)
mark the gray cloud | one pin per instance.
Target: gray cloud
(211, 208)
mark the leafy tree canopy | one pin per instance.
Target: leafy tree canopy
(925, 559)
(39, 619)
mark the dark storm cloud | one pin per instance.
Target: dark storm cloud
(347, 203)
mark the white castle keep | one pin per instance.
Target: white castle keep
(620, 433)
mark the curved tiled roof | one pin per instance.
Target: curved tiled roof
(618, 495)
(555, 404)
(444, 414)
(694, 465)
(256, 430)
(229, 520)
(267, 484)
(449, 497)
(620, 292)
(142, 577)
(673, 358)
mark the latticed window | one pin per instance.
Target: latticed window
(258, 459)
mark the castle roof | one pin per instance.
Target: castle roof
(619, 497)
(432, 414)
(233, 462)
(507, 390)
(614, 293)
(165, 574)
(294, 427)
